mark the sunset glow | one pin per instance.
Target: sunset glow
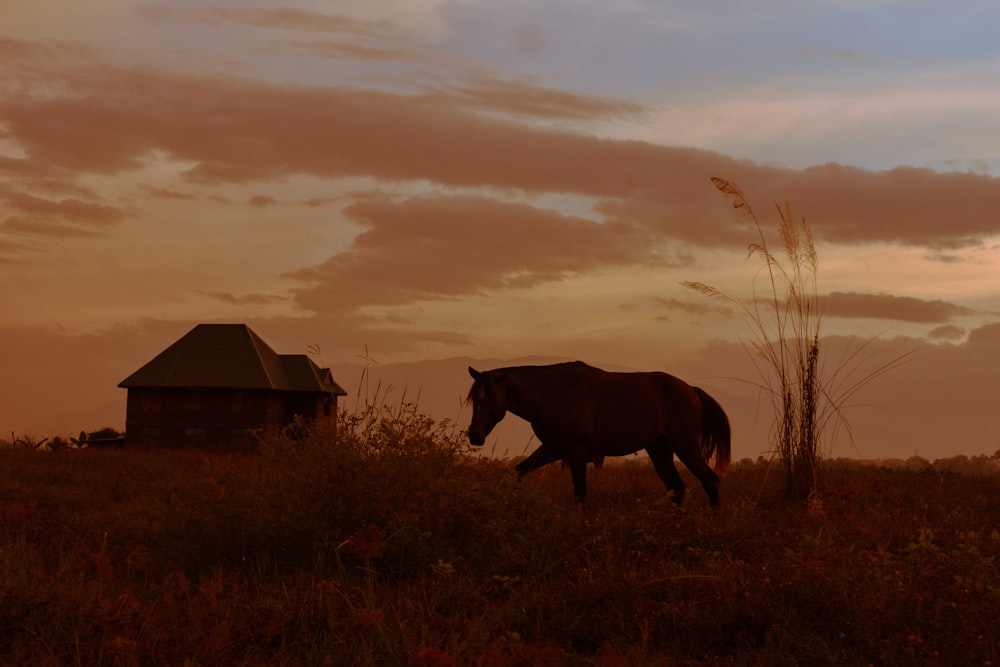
(428, 180)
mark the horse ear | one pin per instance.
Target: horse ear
(474, 373)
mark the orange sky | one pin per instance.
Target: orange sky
(441, 179)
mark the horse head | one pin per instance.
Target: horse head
(489, 404)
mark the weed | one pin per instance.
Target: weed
(808, 397)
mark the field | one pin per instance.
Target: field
(393, 548)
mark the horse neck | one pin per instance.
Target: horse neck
(529, 392)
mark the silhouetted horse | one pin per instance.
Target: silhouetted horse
(580, 413)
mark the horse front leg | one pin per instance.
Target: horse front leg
(544, 455)
(578, 469)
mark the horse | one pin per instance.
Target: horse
(581, 414)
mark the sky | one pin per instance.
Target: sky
(413, 180)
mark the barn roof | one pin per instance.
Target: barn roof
(230, 356)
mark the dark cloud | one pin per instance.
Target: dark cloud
(13, 252)
(29, 216)
(520, 98)
(245, 299)
(336, 49)
(24, 168)
(906, 205)
(167, 193)
(439, 247)
(651, 203)
(466, 135)
(889, 307)
(262, 201)
(314, 202)
(946, 258)
(985, 335)
(948, 332)
(70, 210)
(38, 228)
(696, 308)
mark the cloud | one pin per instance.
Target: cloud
(167, 193)
(12, 252)
(36, 216)
(474, 135)
(907, 205)
(490, 149)
(315, 202)
(889, 307)
(341, 37)
(985, 335)
(437, 247)
(466, 136)
(946, 258)
(36, 228)
(245, 299)
(948, 332)
(298, 20)
(70, 210)
(696, 308)
(262, 201)
(340, 50)
(528, 39)
(521, 98)
(24, 168)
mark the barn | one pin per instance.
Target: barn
(218, 385)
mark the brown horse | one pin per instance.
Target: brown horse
(580, 413)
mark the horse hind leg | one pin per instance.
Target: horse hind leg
(690, 457)
(663, 462)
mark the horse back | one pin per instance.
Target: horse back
(615, 412)
(637, 408)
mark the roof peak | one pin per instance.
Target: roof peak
(229, 355)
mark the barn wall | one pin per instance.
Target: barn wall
(215, 418)
(321, 408)
(202, 418)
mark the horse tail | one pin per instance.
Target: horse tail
(715, 433)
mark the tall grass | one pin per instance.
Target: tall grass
(323, 553)
(808, 397)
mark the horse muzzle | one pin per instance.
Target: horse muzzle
(476, 439)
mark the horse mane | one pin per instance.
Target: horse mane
(550, 367)
(468, 397)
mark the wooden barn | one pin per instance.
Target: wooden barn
(220, 383)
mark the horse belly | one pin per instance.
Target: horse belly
(616, 447)
(620, 438)
(622, 428)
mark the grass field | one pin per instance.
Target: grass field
(393, 548)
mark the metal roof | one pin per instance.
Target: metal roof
(230, 356)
